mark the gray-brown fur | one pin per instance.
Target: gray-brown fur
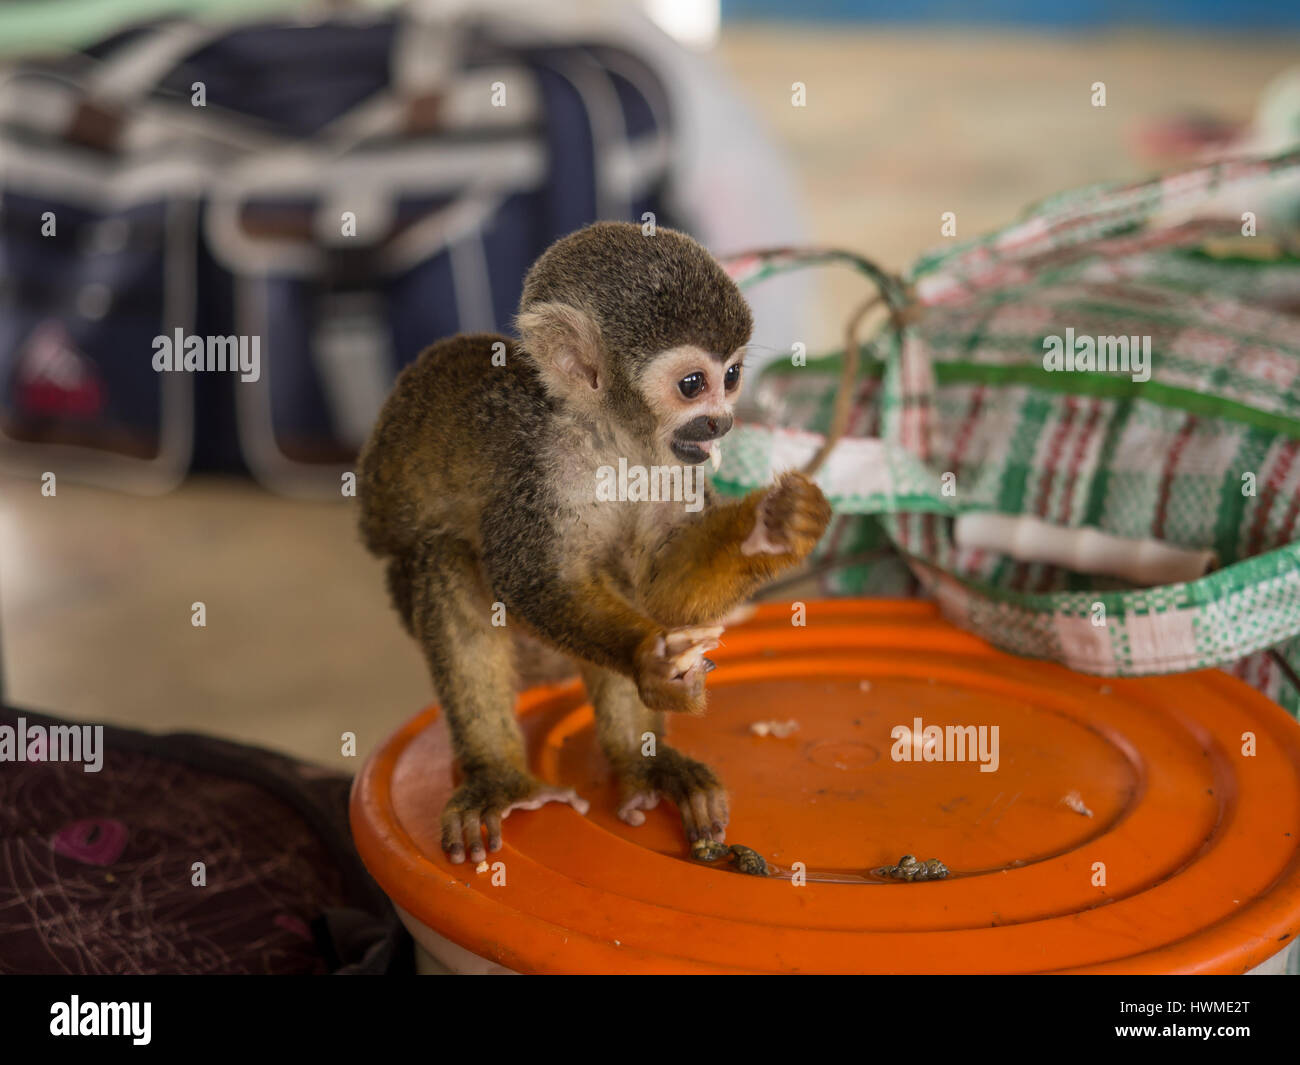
(646, 293)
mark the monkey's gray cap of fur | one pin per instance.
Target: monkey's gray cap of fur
(646, 293)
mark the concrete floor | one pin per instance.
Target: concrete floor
(300, 644)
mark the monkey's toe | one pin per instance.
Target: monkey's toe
(704, 812)
(453, 837)
(692, 786)
(632, 810)
(462, 835)
(705, 815)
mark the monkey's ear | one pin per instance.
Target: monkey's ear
(564, 343)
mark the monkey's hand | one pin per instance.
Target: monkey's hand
(703, 569)
(694, 788)
(485, 799)
(789, 520)
(670, 668)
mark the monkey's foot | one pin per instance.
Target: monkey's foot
(790, 519)
(485, 799)
(694, 788)
(670, 668)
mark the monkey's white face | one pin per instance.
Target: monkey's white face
(692, 393)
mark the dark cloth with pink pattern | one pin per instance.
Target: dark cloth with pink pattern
(97, 870)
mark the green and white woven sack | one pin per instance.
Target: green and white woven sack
(1203, 455)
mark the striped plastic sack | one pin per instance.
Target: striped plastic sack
(957, 410)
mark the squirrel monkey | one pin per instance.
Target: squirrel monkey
(479, 485)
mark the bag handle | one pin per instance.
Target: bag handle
(129, 74)
(425, 50)
(890, 291)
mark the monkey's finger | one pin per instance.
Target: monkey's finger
(792, 481)
(453, 840)
(704, 814)
(492, 822)
(690, 658)
(699, 802)
(806, 524)
(808, 516)
(688, 821)
(719, 813)
(680, 639)
(473, 835)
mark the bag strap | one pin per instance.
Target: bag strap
(426, 48)
(128, 75)
(891, 292)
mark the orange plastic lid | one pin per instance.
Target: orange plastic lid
(1197, 841)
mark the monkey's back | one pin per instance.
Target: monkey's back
(443, 442)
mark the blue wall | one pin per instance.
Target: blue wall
(1065, 14)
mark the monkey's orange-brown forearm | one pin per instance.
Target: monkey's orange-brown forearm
(700, 572)
(592, 621)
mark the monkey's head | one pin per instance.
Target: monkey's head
(646, 331)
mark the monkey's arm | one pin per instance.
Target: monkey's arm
(589, 619)
(708, 566)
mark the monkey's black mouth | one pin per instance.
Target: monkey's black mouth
(691, 452)
(697, 440)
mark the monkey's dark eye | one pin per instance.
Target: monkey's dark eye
(692, 384)
(732, 377)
